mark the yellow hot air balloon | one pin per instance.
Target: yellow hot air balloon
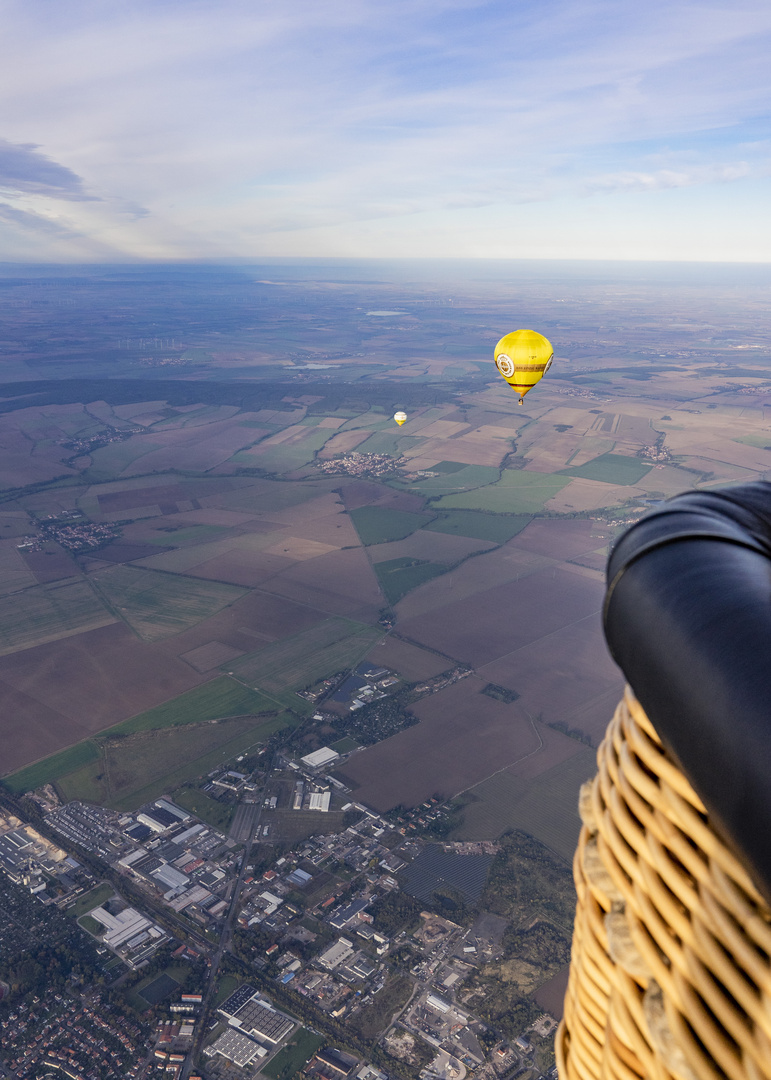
(523, 358)
(400, 417)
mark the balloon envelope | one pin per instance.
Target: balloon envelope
(400, 417)
(523, 358)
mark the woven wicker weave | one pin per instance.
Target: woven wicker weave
(671, 965)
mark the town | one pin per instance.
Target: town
(184, 950)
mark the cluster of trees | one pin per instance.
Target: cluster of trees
(500, 693)
(572, 732)
(394, 912)
(526, 878)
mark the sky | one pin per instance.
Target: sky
(169, 130)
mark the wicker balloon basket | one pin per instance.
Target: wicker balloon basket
(670, 976)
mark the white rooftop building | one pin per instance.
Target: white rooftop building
(320, 758)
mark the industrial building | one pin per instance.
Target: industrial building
(251, 1014)
(336, 954)
(238, 1048)
(319, 758)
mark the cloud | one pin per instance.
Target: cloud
(214, 128)
(24, 170)
(663, 179)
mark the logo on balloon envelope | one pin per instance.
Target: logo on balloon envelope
(504, 365)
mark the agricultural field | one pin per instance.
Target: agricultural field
(133, 769)
(482, 627)
(545, 806)
(464, 478)
(51, 768)
(411, 662)
(380, 525)
(517, 492)
(444, 548)
(219, 698)
(48, 612)
(444, 753)
(397, 577)
(214, 700)
(497, 528)
(303, 659)
(611, 469)
(158, 605)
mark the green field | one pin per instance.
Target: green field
(48, 612)
(497, 528)
(544, 807)
(52, 767)
(397, 577)
(139, 768)
(110, 461)
(226, 984)
(82, 764)
(448, 466)
(157, 605)
(95, 898)
(214, 700)
(378, 525)
(467, 478)
(344, 745)
(611, 469)
(517, 492)
(93, 926)
(285, 457)
(219, 815)
(291, 1059)
(760, 441)
(299, 661)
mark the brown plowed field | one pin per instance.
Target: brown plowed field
(356, 493)
(558, 539)
(319, 506)
(341, 582)
(127, 499)
(412, 663)
(342, 443)
(193, 448)
(498, 620)
(30, 730)
(115, 553)
(207, 657)
(241, 567)
(500, 565)
(51, 564)
(252, 621)
(594, 716)
(463, 738)
(559, 673)
(556, 749)
(97, 678)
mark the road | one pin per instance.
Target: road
(248, 825)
